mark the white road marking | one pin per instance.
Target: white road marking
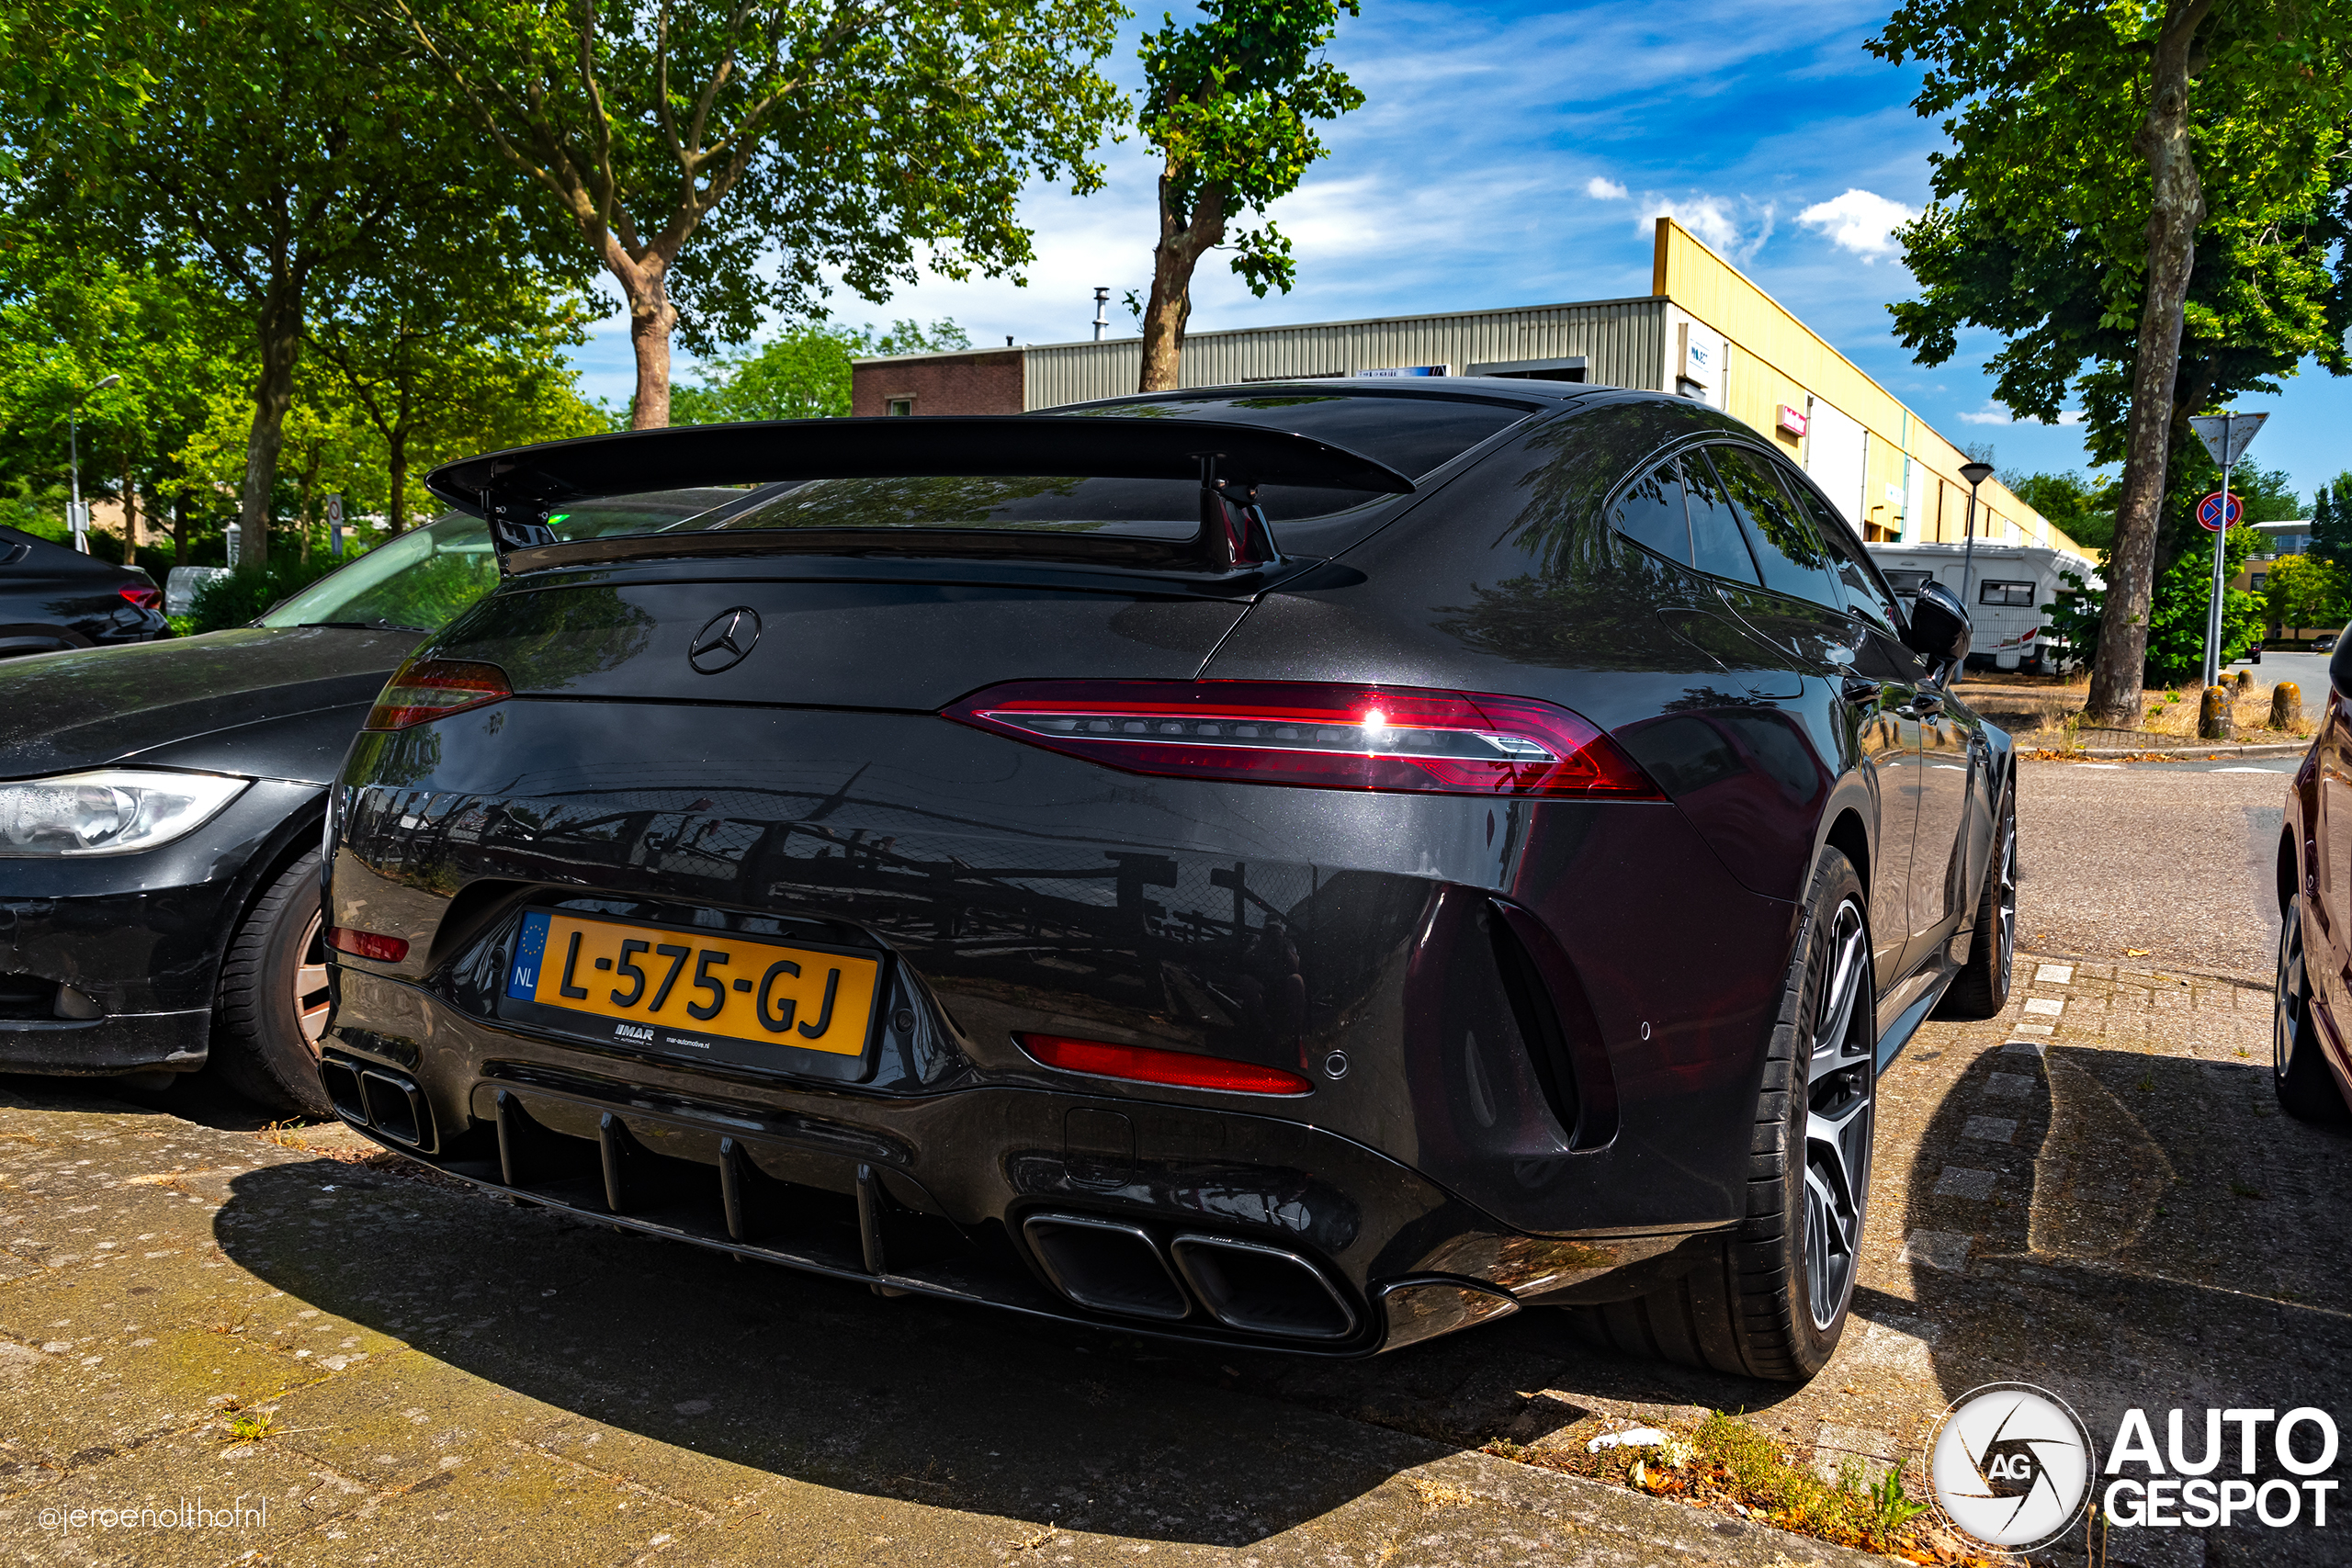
(2115, 765)
(2246, 769)
(2053, 975)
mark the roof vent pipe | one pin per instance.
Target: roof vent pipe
(1101, 313)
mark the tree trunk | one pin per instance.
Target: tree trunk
(652, 317)
(1183, 242)
(130, 517)
(2176, 209)
(396, 465)
(179, 528)
(281, 343)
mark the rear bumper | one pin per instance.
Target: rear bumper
(944, 1196)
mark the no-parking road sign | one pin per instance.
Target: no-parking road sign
(2210, 511)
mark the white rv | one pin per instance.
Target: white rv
(2012, 583)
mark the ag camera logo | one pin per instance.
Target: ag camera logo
(2011, 1464)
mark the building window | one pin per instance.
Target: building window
(901, 406)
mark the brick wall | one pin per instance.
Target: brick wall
(984, 383)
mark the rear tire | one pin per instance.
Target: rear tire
(2307, 1091)
(1771, 1299)
(273, 997)
(1981, 990)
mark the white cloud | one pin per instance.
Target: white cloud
(1862, 221)
(1994, 413)
(1604, 190)
(1716, 222)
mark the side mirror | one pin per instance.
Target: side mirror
(2339, 666)
(1940, 630)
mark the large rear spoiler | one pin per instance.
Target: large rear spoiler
(514, 490)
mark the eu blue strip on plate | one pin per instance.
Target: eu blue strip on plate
(523, 980)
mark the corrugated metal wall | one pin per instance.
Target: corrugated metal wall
(1623, 340)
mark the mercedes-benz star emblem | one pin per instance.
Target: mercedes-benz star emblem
(723, 644)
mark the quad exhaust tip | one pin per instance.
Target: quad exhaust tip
(1107, 1265)
(1118, 1266)
(373, 1097)
(1263, 1290)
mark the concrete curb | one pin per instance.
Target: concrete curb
(2211, 752)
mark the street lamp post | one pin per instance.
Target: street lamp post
(77, 519)
(1975, 474)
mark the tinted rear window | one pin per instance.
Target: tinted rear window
(1412, 435)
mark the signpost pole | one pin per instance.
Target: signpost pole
(2226, 436)
(2221, 555)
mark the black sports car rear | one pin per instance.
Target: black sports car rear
(1308, 865)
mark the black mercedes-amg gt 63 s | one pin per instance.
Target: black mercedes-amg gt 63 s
(1308, 865)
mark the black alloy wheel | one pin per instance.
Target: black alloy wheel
(2306, 1088)
(1981, 990)
(1770, 1299)
(273, 1000)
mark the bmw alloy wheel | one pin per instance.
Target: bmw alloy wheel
(311, 984)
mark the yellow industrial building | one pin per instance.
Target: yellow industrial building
(1705, 331)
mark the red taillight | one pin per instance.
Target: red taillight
(366, 944)
(144, 598)
(425, 689)
(1326, 735)
(1145, 1064)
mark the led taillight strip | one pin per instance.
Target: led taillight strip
(1315, 734)
(426, 689)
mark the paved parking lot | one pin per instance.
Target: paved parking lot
(2093, 1193)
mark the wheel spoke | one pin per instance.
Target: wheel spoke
(314, 1022)
(1849, 963)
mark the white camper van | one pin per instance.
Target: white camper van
(2012, 583)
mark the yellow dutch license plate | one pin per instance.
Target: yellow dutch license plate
(677, 989)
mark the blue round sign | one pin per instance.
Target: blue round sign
(2210, 511)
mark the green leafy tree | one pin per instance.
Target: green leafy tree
(2307, 590)
(70, 317)
(2083, 509)
(684, 146)
(274, 146)
(1227, 102)
(2183, 599)
(801, 373)
(2332, 520)
(2092, 146)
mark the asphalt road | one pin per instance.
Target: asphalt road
(2174, 861)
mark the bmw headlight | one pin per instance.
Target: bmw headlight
(107, 811)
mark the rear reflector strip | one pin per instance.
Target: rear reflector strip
(366, 944)
(426, 689)
(1321, 735)
(144, 598)
(1143, 1064)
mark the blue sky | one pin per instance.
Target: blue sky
(1516, 154)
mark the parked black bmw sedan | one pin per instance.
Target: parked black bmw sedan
(1306, 865)
(52, 597)
(160, 811)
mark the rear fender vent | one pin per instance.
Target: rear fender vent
(1263, 1290)
(1107, 1265)
(1562, 1042)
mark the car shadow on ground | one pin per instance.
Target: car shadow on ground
(782, 1374)
(2132, 1230)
